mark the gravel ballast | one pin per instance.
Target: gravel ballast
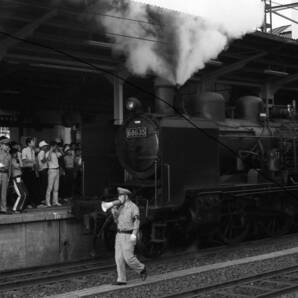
(197, 259)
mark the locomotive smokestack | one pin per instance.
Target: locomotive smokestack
(165, 95)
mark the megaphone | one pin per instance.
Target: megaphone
(105, 206)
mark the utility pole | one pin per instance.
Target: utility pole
(269, 10)
(267, 26)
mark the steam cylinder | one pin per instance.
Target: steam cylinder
(249, 108)
(208, 105)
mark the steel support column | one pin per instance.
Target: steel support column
(118, 102)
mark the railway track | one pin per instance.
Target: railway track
(44, 275)
(266, 285)
(34, 276)
(14, 280)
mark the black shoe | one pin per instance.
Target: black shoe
(143, 274)
(119, 283)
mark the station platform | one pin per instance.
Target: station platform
(39, 237)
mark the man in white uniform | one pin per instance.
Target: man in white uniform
(127, 218)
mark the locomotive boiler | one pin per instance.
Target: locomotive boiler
(199, 173)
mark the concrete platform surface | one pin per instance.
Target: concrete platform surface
(40, 214)
(41, 237)
(180, 275)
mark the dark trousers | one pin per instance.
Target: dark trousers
(22, 193)
(30, 181)
(43, 184)
(78, 182)
(68, 183)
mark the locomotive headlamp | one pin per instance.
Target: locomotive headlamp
(133, 105)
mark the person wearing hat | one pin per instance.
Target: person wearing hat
(42, 168)
(5, 171)
(18, 184)
(68, 185)
(52, 157)
(29, 172)
(127, 217)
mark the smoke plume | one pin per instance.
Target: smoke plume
(174, 44)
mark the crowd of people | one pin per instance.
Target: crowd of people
(40, 176)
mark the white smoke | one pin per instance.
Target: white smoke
(175, 45)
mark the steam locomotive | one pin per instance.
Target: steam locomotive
(211, 176)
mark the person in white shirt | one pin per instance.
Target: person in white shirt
(43, 168)
(68, 184)
(29, 173)
(52, 157)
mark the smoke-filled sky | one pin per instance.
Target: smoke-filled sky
(175, 45)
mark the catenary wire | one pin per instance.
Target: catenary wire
(73, 12)
(294, 8)
(184, 116)
(99, 14)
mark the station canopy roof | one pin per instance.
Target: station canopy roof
(38, 67)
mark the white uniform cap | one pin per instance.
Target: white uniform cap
(42, 143)
(123, 191)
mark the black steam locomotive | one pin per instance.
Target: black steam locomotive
(201, 175)
(229, 178)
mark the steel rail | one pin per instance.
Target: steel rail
(54, 273)
(43, 275)
(220, 288)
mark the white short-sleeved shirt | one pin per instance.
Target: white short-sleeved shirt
(41, 165)
(28, 154)
(126, 216)
(69, 161)
(53, 163)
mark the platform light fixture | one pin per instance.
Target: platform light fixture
(276, 73)
(215, 62)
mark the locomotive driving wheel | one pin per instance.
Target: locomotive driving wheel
(147, 247)
(181, 232)
(234, 224)
(276, 224)
(110, 236)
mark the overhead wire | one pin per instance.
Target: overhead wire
(294, 8)
(53, 7)
(283, 16)
(137, 87)
(73, 12)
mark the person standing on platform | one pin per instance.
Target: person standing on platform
(78, 169)
(17, 147)
(127, 218)
(53, 174)
(43, 168)
(69, 173)
(5, 171)
(29, 172)
(17, 181)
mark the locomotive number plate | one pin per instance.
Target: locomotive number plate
(136, 132)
